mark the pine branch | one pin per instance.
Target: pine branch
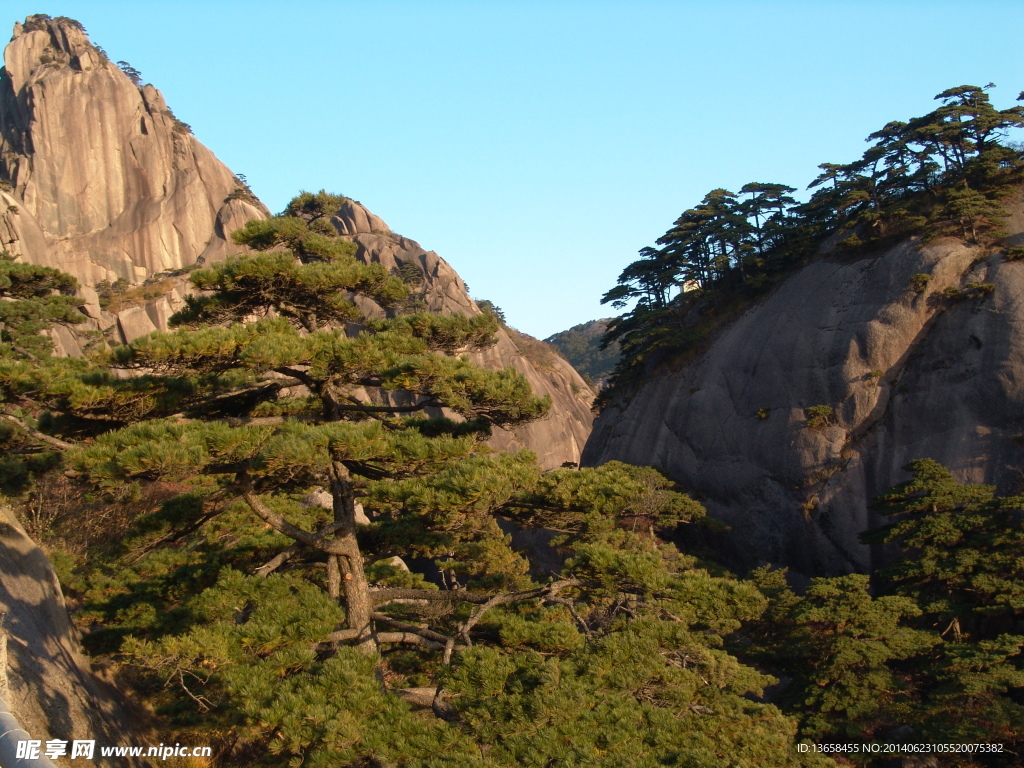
(278, 523)
(36, 434)
(551, 589)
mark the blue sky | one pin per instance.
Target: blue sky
(537, 146)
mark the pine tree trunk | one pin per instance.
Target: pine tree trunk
(333, 578)
(358, 607)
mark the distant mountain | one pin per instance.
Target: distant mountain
(581, 346)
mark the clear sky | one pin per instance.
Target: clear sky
(537, 146)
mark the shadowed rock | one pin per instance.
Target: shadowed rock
(908, 375)
(52, 690)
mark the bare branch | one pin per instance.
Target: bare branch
(408, 638)
(37, 435)
(379, 596)
(276, 521)
(512, 597)
(404, 626)
(272, 565)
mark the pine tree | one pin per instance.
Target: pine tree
(963, 564)
(33, 300)
(359, 403)
(276, 621)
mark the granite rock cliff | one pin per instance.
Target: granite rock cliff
(910, 368)
(104, 183)
(118, 187)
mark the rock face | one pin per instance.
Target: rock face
(556, 439)
(104, 183)
(116, 185)
(53, 692)
(909, 374)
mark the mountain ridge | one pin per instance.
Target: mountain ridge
(107, 185)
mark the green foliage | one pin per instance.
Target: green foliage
(410, 273)
(819, 416)
(936, 648)
(115, 297)
(1013, 254)
(615, 493)
(314, 206)
(964, 566)
(581, 345)
(21, 460)
(132, 73)
(944, 173)
(490, 308)
(979, 290)
(919, 282)
(314, 294)
(650, 694)
(32, 300)
(251, 663)
(938, 516)
(841, 645)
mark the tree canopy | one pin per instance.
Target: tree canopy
(942, 173)
(317, 566)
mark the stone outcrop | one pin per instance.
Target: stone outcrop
(911, 369)
(556, 439)
(116, 185)
(52, 690)
(104, 183)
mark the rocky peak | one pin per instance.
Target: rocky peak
(117, 184)
(354, 219)
(100, 179)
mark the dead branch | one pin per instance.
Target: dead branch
(408, 638)
(36, 434)
(404, 626)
